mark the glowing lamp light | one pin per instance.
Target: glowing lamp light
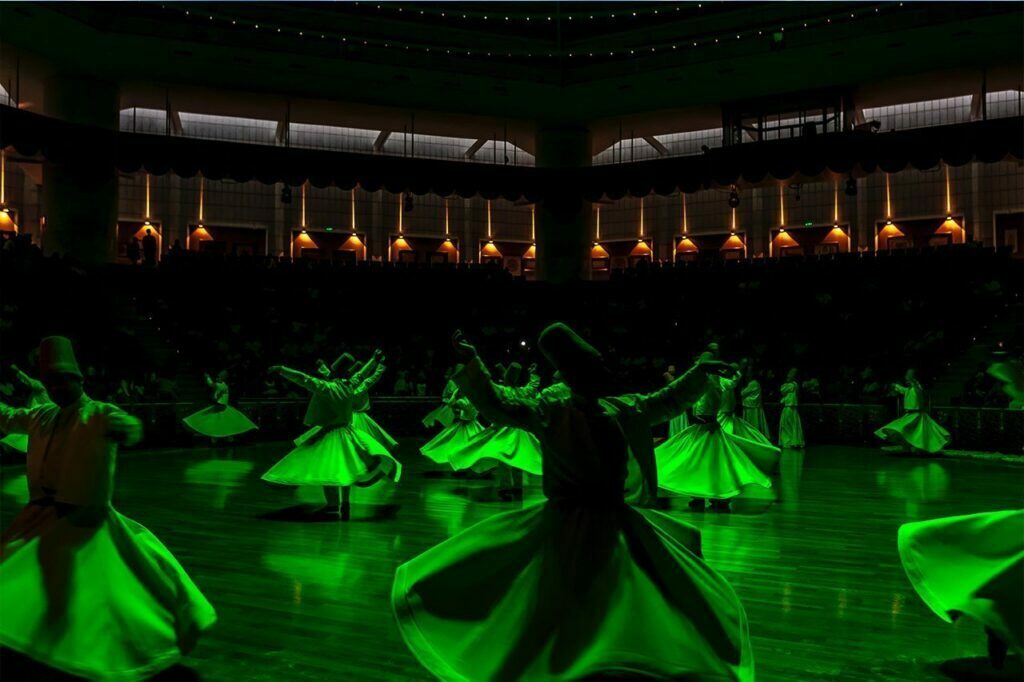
(782, 230)
(303, 231)
(641, 249)
(686, 245)
(490, 249)
(4, 209)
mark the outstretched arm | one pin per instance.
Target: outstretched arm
(15, 419)
(30, 383)
(123, 427)
(298, 378)
(498, 403)
(374, 377)
(668, 402)
(371, 366)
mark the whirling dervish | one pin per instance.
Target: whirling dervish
(219, 420)
(442, 414)
(727, 417)
(915, 431)
(333, 454)
(84, 589)
(791, 429)
(462, 427)
(361, 418)
(36, 396)
(581, 585)
(504, 447)
(753, 407)
(706, 461)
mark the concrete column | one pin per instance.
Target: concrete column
(80, 195)
(563, 218)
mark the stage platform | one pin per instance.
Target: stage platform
(813, 560)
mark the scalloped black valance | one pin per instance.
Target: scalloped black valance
(751, 163)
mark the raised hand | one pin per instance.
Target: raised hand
(463, 348)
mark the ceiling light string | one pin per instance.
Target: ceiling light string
(358, 40)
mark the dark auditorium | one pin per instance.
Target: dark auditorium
(498, 341)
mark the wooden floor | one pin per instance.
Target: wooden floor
(814, 561)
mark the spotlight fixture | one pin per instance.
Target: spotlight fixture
(407, 205)
(734, 197)
(851, 187)
(303, 231)
(5, 210)
(286, 195)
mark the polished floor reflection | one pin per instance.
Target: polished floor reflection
(814, 560)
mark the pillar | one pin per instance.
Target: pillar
(79, 198)
(563, 218)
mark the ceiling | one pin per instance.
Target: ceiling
(517, 63)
